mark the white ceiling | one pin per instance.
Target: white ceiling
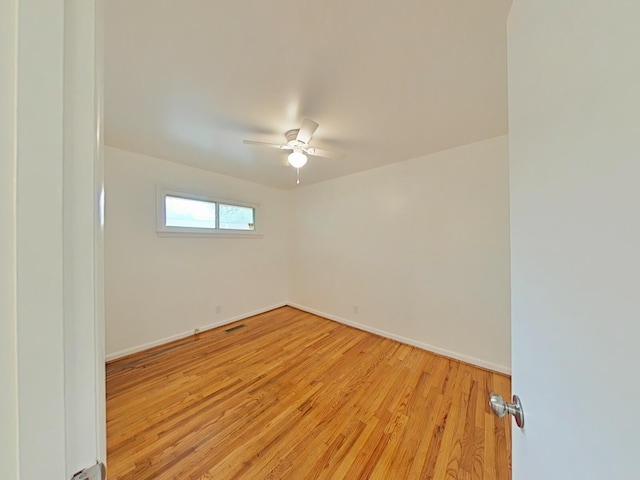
(188, 80)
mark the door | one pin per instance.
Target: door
(574, 128)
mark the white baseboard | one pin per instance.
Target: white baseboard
(179, 336)
(414, 343)
(424, 346)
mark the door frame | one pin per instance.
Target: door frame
(51, 250)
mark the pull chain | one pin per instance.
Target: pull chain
(297, 176)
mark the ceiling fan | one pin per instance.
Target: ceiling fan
(298, 142)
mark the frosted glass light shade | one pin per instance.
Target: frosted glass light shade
(297, 159)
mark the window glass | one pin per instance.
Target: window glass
(235, 217)
(187, 212)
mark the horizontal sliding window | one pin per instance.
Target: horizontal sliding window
(189, 213)
(235, 217)
(185, 213)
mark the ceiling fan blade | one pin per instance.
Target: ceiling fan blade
(264, 144)
(307, 130)
(319, 152)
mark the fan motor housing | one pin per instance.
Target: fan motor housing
(292, 134)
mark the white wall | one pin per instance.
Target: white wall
(421, 247)
(159, 288)
(574, 121)
(8, 320)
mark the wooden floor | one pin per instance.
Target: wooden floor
(295, 396)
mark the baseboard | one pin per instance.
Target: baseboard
(424, 346)
(179, 336)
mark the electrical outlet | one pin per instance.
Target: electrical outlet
(355, 309)
(218, 308)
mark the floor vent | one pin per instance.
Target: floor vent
(237, 327)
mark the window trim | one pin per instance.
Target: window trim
(165, 231)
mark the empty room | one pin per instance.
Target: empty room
(343, 317)
(333, 240)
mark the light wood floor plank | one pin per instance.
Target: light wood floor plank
(295, 396)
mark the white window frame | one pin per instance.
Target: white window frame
(167, 231)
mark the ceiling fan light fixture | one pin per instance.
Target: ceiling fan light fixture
(297, 159)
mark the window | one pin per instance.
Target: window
(188, 212)
(236, 217)
(184, 213)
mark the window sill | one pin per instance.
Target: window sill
(211, 234)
